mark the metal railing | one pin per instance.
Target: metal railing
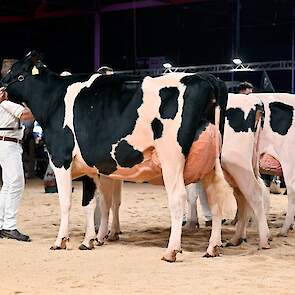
(217, 68)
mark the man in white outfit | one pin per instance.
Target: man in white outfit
(11, 134)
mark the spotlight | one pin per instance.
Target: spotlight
(167, 65)
(237, 61)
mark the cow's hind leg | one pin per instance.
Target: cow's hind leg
(242, 216)
(172, 162)
(254, 192)
(220, 197)
(176, 197)
(216, 212)
(89, 203)
(64, 185)
(116, 202)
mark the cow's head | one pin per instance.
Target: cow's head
(14, 80)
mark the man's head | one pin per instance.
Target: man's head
(245, 88)
(105, 71)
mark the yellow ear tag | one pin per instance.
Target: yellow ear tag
(35, 71)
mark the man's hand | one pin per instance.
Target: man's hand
(3, 94)
(27, 115)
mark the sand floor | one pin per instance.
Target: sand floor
(132, 265)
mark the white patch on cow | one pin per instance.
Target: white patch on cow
(72, 92)
(142, 136)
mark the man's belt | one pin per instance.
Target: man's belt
(9, 128)
(5, 138)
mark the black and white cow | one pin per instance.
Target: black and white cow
(105, 125)
(269, 146)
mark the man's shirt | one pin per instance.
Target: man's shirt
(9, 118)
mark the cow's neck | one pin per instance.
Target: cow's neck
(45, 97)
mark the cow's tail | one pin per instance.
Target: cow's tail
(259, 120)
(221, 192)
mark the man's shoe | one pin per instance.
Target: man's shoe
(1, 234)
(15, 234)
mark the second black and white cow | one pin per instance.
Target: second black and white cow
(106, 125)
(268, 147)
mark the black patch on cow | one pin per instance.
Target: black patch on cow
(126, 155)
(60, 144)
(169, 102)
(89, 188)
(281, 117)
(191, 80)
(217, 95)
(103, 114)
(237, 121)
(198, 106)
(157, 128)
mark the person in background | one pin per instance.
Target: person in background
(11, 135)
(245, 88)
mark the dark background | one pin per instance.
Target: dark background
(185, 32)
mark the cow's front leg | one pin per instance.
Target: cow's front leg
(88, 242)
(97, 215)
(89, 204)
(116, 202)
(64, 185)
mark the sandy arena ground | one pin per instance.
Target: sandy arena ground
(132, 265)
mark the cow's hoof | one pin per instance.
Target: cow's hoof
(235, 244)
(171, 257)
(215, 253)
(63, 245)
(207, 255)
(84, 247)
(98, 243)
(264, 246)
(282, 234)
(113, 237)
